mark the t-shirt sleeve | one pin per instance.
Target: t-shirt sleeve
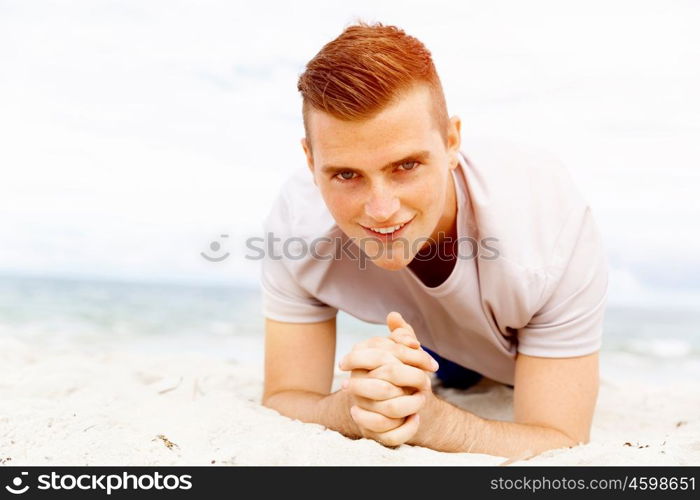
(283, 298)
(570, 322)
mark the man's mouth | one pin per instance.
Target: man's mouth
(387, 232)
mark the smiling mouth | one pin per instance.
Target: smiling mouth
(387, 232)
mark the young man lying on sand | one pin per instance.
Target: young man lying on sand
(488, 259)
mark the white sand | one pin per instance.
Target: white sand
(74, 408)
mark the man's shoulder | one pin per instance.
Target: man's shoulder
(528, 202)
(511, 166)
(524, 197)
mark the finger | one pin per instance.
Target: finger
(402, 375)
(414, 357)
(402, 350)
(364, 375)
(402, 336)
(381, 342)
(358, 374)
(398, 407)
(374, 422)
(360, 345)
(373, 357)
(373, 388)
(401, 434)
(367, 359)
(394, 320)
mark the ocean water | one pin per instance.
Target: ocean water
(227, 322)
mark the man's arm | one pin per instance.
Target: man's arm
(299, 361)
(554, 401)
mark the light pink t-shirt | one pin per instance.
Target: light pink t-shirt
(544, 295)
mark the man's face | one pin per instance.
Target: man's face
(390, 171)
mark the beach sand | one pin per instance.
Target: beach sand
(91, 407)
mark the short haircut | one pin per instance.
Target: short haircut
(365, 69)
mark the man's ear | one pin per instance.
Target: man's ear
(454, 140)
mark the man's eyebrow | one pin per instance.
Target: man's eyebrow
(416, 156)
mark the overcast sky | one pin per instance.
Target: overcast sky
(133, 134)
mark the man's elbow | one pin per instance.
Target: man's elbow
(281, 398)
(269, 398)
(574, 438)
(559, 437)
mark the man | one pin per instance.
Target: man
(489, 258)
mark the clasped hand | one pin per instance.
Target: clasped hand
(389, 383)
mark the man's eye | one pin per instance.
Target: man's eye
(409, 165)
(346, 175)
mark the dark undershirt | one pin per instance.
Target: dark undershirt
(433, 265)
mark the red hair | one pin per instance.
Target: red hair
(366, 68)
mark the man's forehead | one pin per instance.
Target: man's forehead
(396, 130)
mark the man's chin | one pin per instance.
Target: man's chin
(391, 257)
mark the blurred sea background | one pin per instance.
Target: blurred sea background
(137, 135)
(659, 343)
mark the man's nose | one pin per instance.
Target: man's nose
(382, 205)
